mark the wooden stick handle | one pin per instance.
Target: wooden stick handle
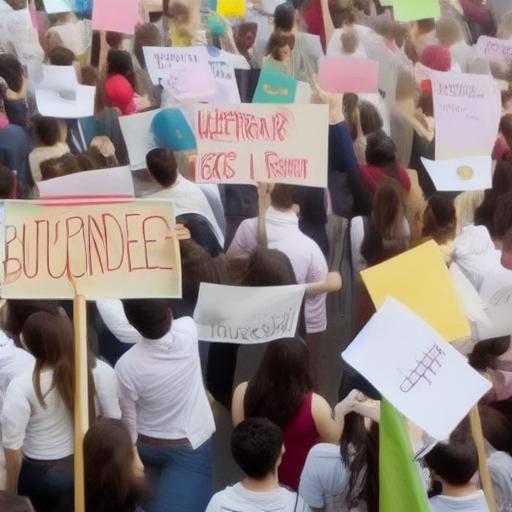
(81, 397)
(485, 475)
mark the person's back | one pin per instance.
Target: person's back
(257, 447)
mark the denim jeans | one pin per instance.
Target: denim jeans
(181, 478)
(50, 488)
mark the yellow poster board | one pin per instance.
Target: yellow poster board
(111, 250)
(420, 280)
(231, 7)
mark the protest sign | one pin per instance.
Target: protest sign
(458, 174)
(339, 75)
(111, 183)
(224, 74)
(275, 87)
(61, 79)
(231, 7)
(54, 104)
(269, 6)
(111, 250)
(413, 367)
(184, 72)
(262, 143)
(171, 130)
(116, 17)
(56, 6)
(138, 137)
(407, 10)
(494, 49)
(419, 279)
(467, 110)
(247, 315)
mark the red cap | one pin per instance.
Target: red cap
(437, 57)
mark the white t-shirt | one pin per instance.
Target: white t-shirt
(239, 499)
(46, 433)
(475, 502)
(500, 467)
(325, 478)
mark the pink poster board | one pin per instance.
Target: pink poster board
(339, 75)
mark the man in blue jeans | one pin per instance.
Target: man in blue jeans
(164, 402)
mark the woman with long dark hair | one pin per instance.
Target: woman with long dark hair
(282, 391)
(37, 416)
(114, 474)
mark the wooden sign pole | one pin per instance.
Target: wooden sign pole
(485, 476)
(81, 397)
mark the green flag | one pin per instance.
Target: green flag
(401, 488)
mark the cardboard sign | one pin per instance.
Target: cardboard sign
(494, 49)
(111, 183)
(111, 15)
(467, 110)
(247, 315)
(275, 87)
(339, 75)
(124, 250)
(458, 174)
(407, 10)
(413, 367)
(262, 143)
(138, 137)
(419, 279)
(184, 72)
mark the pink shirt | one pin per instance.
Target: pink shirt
(307, 259)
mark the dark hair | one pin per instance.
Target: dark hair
(284, 17)
(380, 243)
(277, 41)
(108, 458)
(7, 182)
(506, 127)
(485, 353)
(119, 62)
(201, 232)
(345, 16)
(49, 338)
(177, 11)
(506, 96)
(281, 382)
(56, 167)
(92, 160)
(10, 502)
(440, 219)
(381, 152)
(349, 40)
(11, 71)
(501, 184)
(256, 445)
(350, 105)
(455, 461)
(114, 39)
(162, 165)
(89, 75)
(268, 267)
(47, 130)
(497, 428)
(371, 120)
(61, 56)
(145, 35)
(426, 25)
(282, 196)
(151, 317)
(19, 310)
(502, 220)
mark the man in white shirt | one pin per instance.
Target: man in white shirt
(185, 195)
(164, 403)
(257, 447)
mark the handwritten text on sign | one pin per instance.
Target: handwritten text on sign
(262, 143)
(123, 250)
(496, 49)
(237, 314)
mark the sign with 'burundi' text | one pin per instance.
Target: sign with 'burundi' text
(116, 250)
(262, 143)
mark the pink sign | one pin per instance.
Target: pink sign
(115, 16)
(339, 75)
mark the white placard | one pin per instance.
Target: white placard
(138, 137)
(247, 315)
(56, 6)
(460, 174)
(494, 49)
(115, 182)
(52, 104)
(184, 72)
(58, 78)
(415, 369)
(225, 80)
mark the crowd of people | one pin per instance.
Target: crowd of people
(151, 381)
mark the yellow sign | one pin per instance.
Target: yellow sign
(231, 7)
(420, 280)
(116, 250)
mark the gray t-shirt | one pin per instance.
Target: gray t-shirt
(325, 478)
(239, 499)
(500, 467)
(472, 503)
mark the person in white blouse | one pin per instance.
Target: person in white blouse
(164, 402)
(37, 415)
